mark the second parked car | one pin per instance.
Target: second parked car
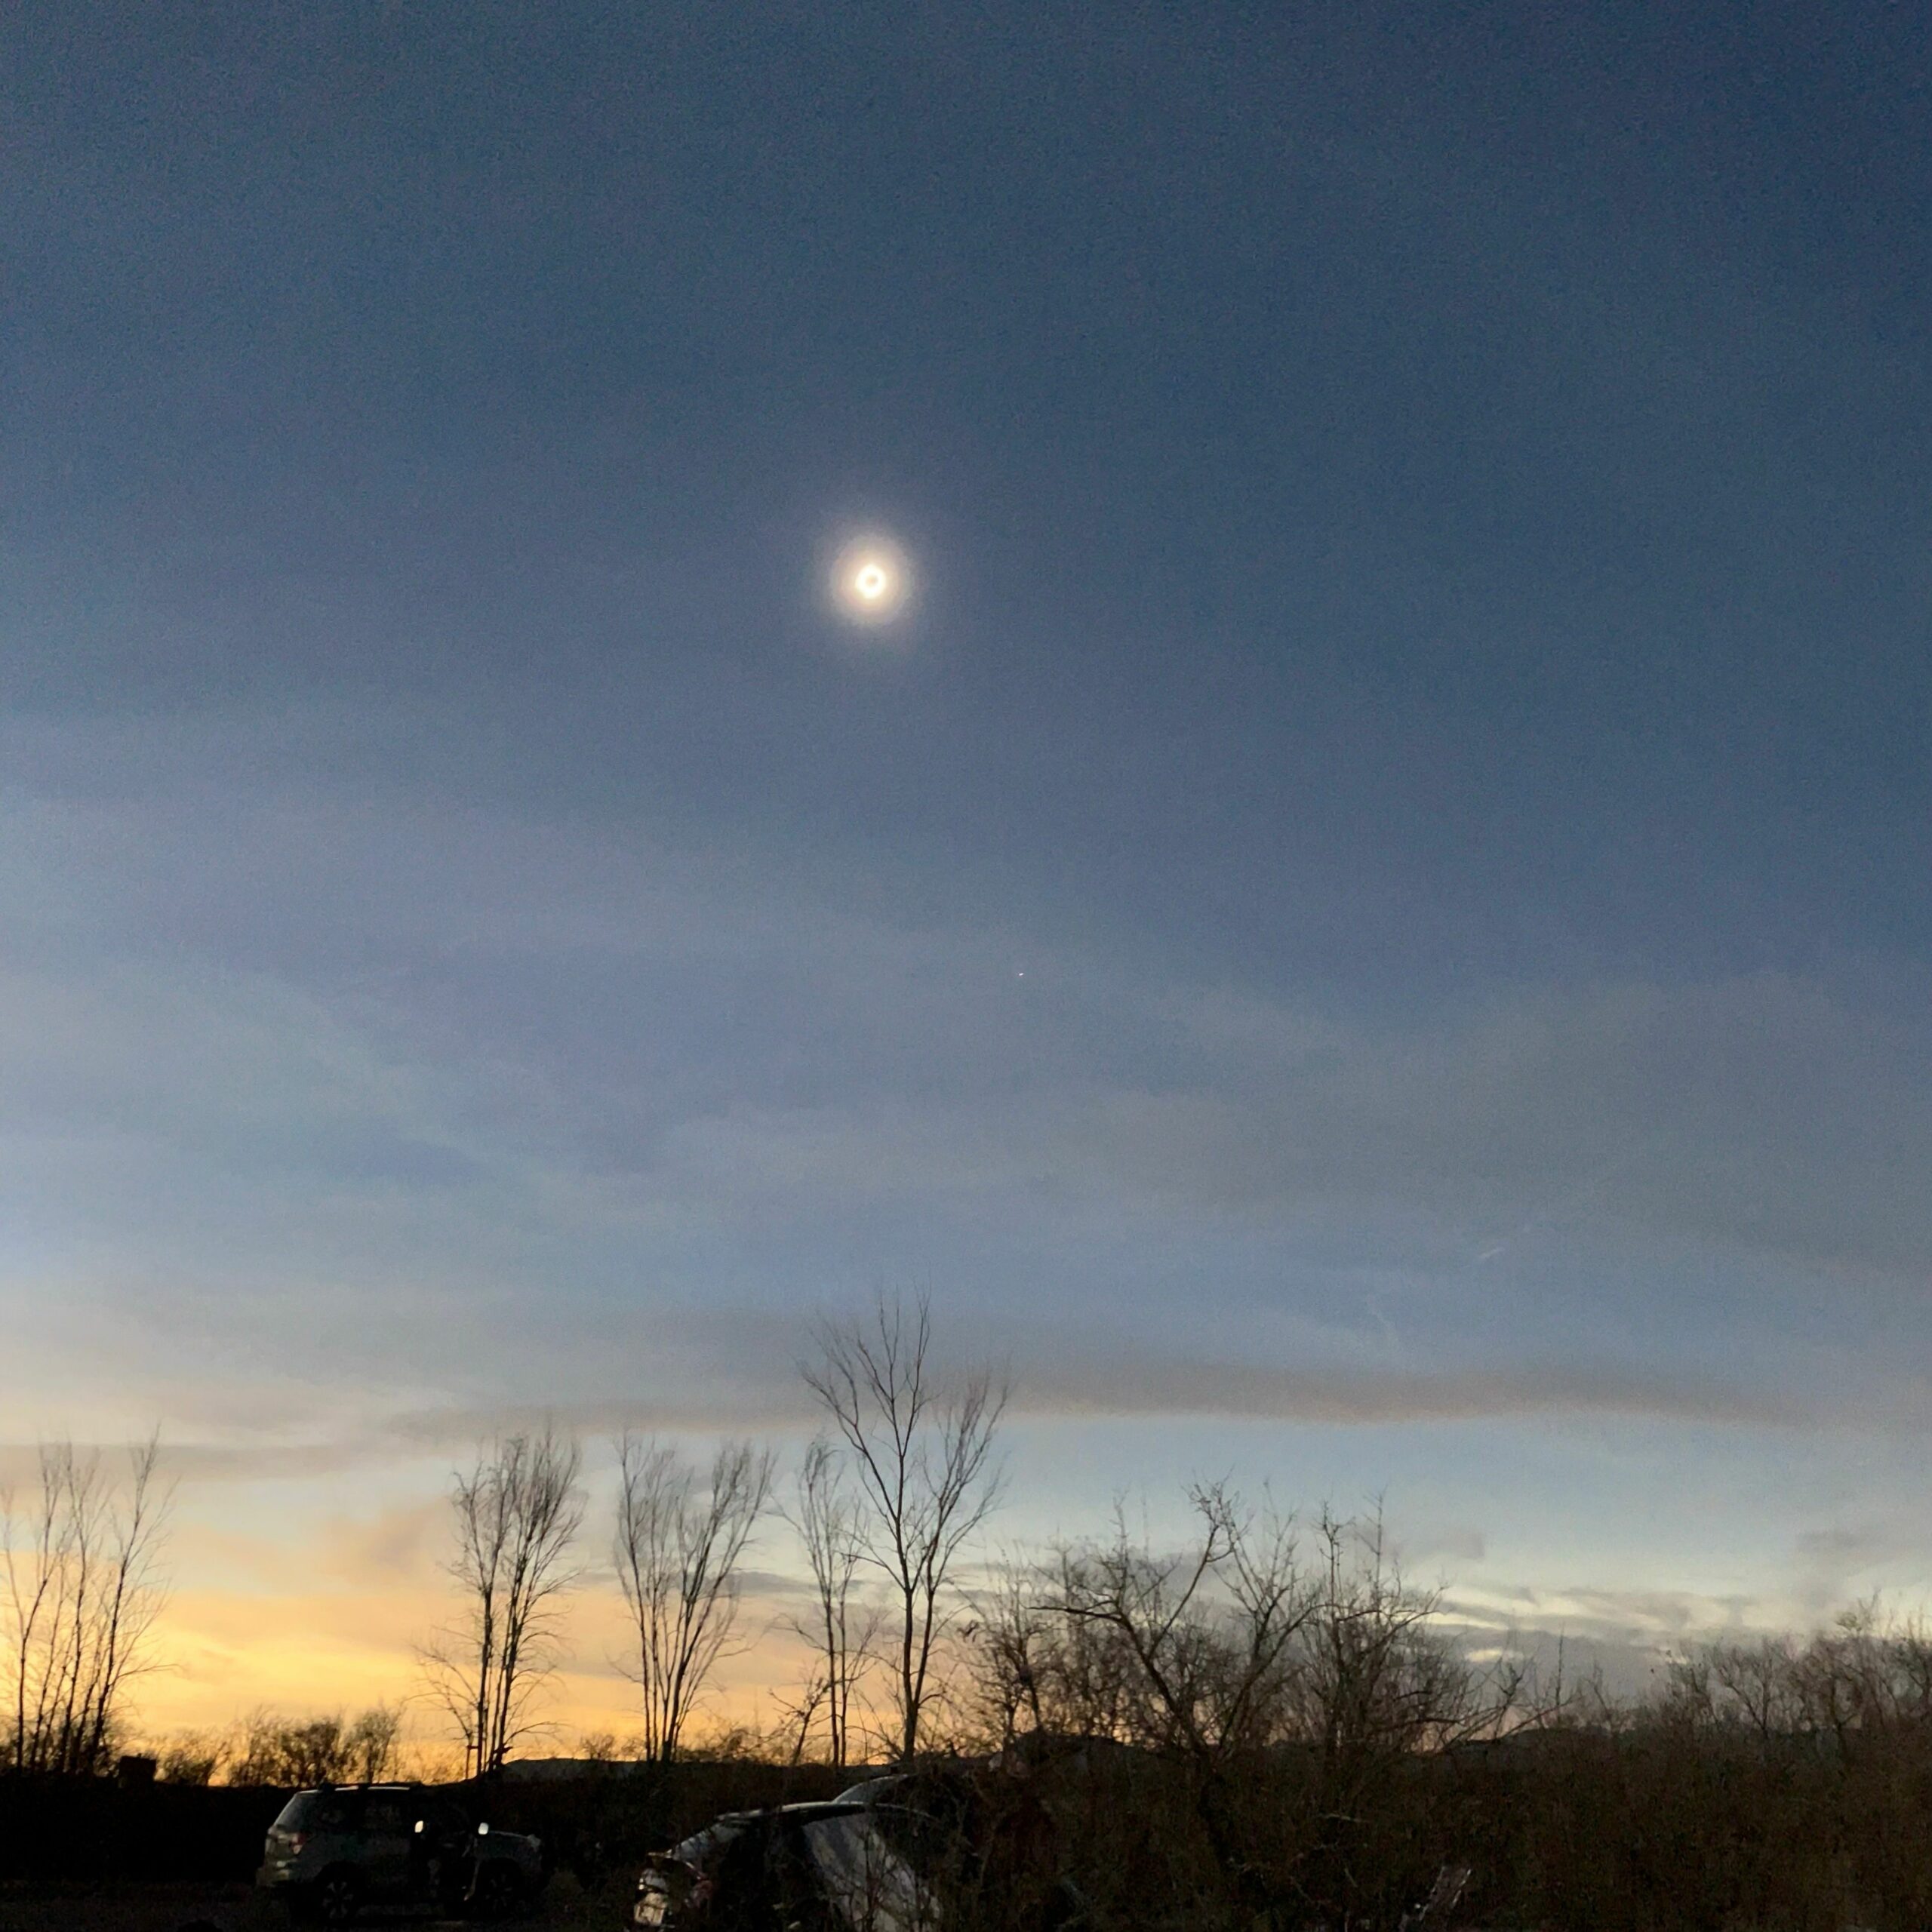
(845, 1865)
(333, 1851)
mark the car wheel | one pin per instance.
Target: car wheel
(337, 1899)
(498, 1892)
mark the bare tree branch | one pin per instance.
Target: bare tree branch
(516, 1514)
(920, 1452)
(826, 1514)
(677, 1550)
(83, 1590)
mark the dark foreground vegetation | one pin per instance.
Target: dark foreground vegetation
(1692, 1814)
(78, 1829)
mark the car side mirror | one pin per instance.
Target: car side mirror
(482, 1831)
(419, 1824)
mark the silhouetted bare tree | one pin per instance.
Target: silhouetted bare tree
(372, 1741)
(677, 1550)
(83, 1591)
(1318, 1686)
(516, 1514)
(290, 1753)
(920, 1452)
(1206, 1632)
(826, 1514)
(194, 1757)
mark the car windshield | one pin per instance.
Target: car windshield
(708, 1845)
(912, 1834)
(869, 1790)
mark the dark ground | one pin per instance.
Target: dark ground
(126, 1907)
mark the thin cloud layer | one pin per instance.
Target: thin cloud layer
(464, 1097)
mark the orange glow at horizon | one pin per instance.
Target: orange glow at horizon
(222, 1653)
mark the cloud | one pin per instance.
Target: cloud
(489, 1111)
(1243, 1391)
(1836, 1562)
(398, 1546)
(1462, 1541)
(1652, 1621)
(1060, 1380)
(251, 1460)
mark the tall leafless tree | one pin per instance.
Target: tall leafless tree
(517, 1512)
(678, 1545)
(920, 1450)
(825, 1513)
(83, 1589)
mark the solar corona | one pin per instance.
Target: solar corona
(870, 581)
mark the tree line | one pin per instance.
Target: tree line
(1255, 1634)
(892, 1492)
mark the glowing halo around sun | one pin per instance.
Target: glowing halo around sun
(870, 581)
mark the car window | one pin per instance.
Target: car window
(389, 1816)
(316, 1811)
(914, 1834)
(868, 1882)
(708, 1845)
(441, 1817)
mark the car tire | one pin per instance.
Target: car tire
(336, 1899)
(498, 1892)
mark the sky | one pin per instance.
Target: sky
(1365, 927)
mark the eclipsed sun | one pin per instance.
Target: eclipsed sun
(870, 581)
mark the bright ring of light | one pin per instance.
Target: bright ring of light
(870, 581)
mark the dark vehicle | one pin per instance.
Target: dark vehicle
(841, 1866)
(900, 1854)
(335, 1851)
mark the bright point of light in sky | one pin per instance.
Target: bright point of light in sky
(870, 581)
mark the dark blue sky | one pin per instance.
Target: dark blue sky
(1423, 538)
(1475, 463)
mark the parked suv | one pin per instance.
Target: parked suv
(835, 1867)
(334, 1851)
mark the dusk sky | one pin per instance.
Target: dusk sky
(1366, 924)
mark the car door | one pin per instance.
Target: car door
(444, 1844)
(867, 1886)
(389, 1824)
(802, 1905)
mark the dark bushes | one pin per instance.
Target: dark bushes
(1243, 1740)
(89, 1828)
(93, 1828)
